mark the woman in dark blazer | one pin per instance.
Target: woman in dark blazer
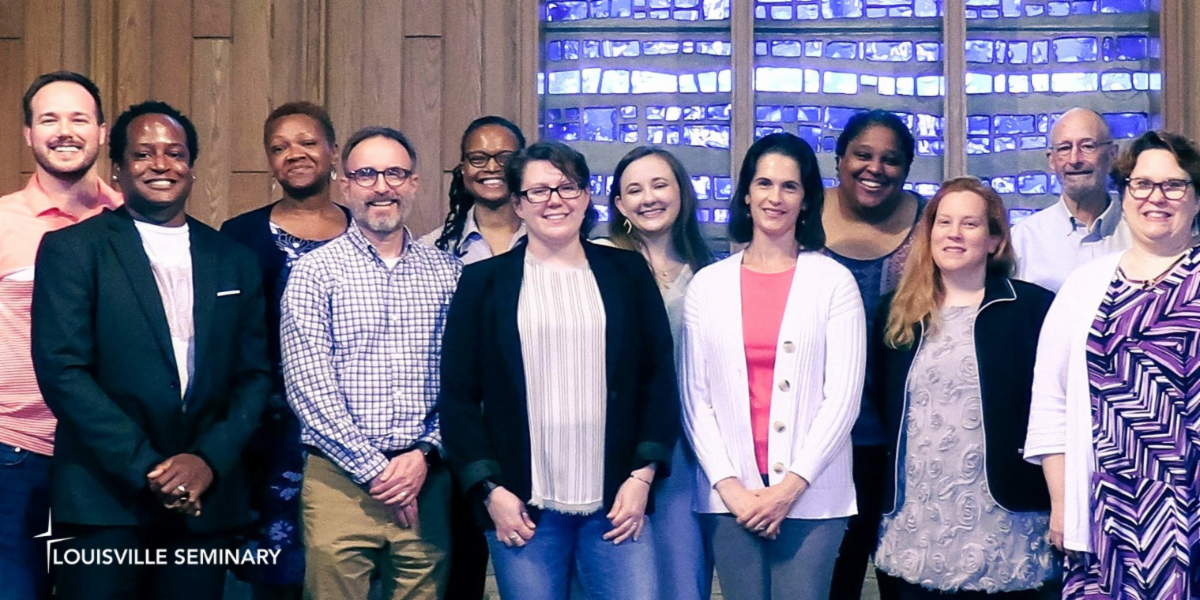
(559, 404)
(964, 514)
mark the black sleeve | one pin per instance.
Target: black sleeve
(658, 382)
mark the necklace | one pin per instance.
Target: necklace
(1146, 284)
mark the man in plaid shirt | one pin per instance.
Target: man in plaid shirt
(362, 335)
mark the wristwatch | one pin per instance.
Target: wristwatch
(484, 490)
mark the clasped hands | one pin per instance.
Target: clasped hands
(398, 486)
(761, 511)
(180, 481)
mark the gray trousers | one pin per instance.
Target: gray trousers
(797, 565)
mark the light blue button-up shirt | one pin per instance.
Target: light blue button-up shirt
(1052, 243)
(471, 247)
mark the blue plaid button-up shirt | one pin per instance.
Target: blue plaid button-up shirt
(362, 349)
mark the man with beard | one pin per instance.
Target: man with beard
(1086, 222)
(361, 331)
(64, 128)
(149, 346)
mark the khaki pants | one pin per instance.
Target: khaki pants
(348, 535)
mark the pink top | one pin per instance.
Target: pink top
(25, 216)
(764, 297)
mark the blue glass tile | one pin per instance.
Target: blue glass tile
(1040, 82)
(929, 52)
(693, 113)
(810, 134)
(1122, 6)
(760, 132)
(835, 82)
(661, 15)
(616, 49)
(886, 86)
(828, 145)
(1041, 52)
(614, 81)
(1075, 49)
(981, 51)
(928, 126)
(1155, 48)
(1018, 84)
(707, 82)
(687, 84)
(566, 11)
(564, 82)
(629, 112)
(674, 113)
(978, 145)
(563, 132)
(600, 9)
(1116, 82)
(781, 13)
(979, 125)
(1055, 185)
(888, 51)
(723, 188)
(715, 48)
(701, 184)
(571, 114)
(760, 48)
(928, 8)
(1083, 7)
(1010, 124)
(927, 189)
(687, 3)
(1034, 142)
(778, 79)
(570, 50)
(979, 83)
(760, 12)
(787, 48)
(654, 134)
(591, 81)
(836, 117)
(1074, 82)
(650, 82)
(622, 9)
(1156, 81)
(687, 15)
(1106, 49)
(673, 135)
(629, 133)
(1043, 124)
(841, 9)
(600, 124)
(706, 136)
(809, 114)
(809, 12)
(725, 80)
(602, 214)
(721, 216)
(768, 113)
(1018, 53)
(1058, 9)
(656, 113)
(814, 49)
(868, 80)
(1001, 51)
(1004, 143)
(553, 115)
(1035, 10)
(1004, 185)
(716, 10)
(719, 112)
(929, 85)
(1032, 183)
(591, 49)
(554, 51)
(660, 48)
(1127, 125)
(1141, 81)
(1131, 47)
(703, 215)
(930, 147)
(841, 50)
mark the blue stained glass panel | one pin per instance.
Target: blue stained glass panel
(708, 136)
(1131, 47)
(978, 125)
(564, 82)
(980, 51)
(841, 9)
(1127, 125)
(566, 11)
(1076, 49)
(651, 82)
(888, 51)
(599, 124)
(1116, 82)
(614, 81)
(1032, 183)
(842, 50)
(788, 48)
(839, 83)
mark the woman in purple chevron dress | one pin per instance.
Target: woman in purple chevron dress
(1116, 410)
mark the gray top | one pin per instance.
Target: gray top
(949, 533)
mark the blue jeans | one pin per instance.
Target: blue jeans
(24, 513)
(541, 569)
(685, 567)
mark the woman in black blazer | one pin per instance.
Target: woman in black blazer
(559, 404)
(963, 512)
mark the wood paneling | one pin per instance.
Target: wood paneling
(427, 67)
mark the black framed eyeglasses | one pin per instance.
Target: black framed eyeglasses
(480, 160)
(367, 176)
(541, 195)
(1172, 189)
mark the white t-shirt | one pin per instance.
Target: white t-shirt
(170, 252)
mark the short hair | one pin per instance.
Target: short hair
(367, 133)
(69, 76)
(308, 109)
(1184, 149)
(118, 138)
(565, 159)
(861, 121)
(809, 230)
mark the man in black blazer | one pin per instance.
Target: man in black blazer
(150, 348)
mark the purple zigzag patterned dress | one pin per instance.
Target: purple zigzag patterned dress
(1144, 373)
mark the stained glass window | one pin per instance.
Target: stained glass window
(1028, 61)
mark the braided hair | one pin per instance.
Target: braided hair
(461, 200)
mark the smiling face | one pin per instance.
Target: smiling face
(555, 222)
(496, 144)
(872, 171)
(1081, 173)
(65, 135)
(379, 209)
(650, 195)
(776, 196)
(960, 238)
(300, 157)
(1157, 221)
(155, 173)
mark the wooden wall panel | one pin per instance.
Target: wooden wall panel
(464, 58)
(171, 47)
(247, 191)
(212, 18)
(383, 90)
(12, 86)
(500, 67)
(102, 15)
(423, 18)
(422, 123)
(212, 94)
(133, 69)
(76, 22)
(12, 20)
(43, 22)
(344, 57)
(251, 83)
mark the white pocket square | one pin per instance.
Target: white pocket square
(229, 293)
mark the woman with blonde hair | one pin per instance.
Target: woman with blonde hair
(964, 515)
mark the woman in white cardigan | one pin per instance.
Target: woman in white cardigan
(772, 372)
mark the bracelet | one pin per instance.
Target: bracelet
(634, 476)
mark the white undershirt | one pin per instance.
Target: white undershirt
(169, 251)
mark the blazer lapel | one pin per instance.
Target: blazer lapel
(612, 294)
(508, 295)
(128, 246)
(205, 261)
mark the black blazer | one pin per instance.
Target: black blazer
(103, 357)
(1006, 335)
(485, 421)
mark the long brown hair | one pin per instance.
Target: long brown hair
(921, 290)
(685, 232)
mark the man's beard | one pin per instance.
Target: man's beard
(74, 174)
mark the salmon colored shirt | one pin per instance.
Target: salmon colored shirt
(26, 216)
(764, 297)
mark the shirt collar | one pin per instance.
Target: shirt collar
(360, 241)
(39, 201)
(1106, 223)
(471, 233)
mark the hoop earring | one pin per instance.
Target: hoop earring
(333, 175)
(628, 227)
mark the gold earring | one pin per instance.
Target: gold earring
(333, 175)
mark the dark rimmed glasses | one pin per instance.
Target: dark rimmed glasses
(1172, 189)
(367, 176)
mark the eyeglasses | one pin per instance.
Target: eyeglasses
(367, 176)
(480, 160)
(540, 195)
(1172, 189)
(1087, 148)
